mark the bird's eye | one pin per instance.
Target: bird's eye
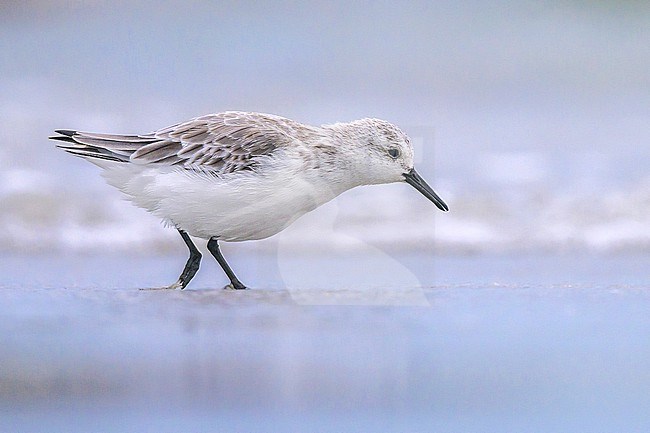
(393, 152)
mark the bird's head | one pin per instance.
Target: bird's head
(384, 154)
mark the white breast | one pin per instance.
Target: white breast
(239, 207)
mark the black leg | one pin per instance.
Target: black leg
(192, 264)
(213, 246)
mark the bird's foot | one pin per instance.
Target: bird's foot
(177, 285)
(235, 286)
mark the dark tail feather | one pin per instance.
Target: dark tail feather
(102, 146)
(66, 132)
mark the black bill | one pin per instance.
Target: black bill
(414, 179)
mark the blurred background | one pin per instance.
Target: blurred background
(530, 118)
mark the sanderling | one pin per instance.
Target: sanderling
(237, 176)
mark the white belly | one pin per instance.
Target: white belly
(242, 207)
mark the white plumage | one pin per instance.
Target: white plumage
(236, 176)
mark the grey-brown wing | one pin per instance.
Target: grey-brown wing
(222, 143)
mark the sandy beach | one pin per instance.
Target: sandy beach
(478, 344)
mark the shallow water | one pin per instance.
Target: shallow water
(529, 343)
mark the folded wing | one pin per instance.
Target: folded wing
(222, 143)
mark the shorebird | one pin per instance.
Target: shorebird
(237, 176)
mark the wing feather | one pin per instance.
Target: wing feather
(158, 151)
(223, 143)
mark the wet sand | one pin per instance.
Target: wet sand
(480, 344)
